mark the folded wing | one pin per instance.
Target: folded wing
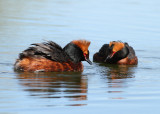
(49, 50)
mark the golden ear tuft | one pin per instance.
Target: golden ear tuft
(117, 45)
(82, 44)
(111, 43)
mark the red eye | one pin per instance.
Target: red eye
(113, 52)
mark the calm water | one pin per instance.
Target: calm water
(99, 88)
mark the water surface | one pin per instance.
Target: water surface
(99, 88)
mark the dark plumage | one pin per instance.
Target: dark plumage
(116, 53)
(49, 50)
(49, 56)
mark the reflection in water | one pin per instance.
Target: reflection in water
(117, 78)
(55, 85)
(120, 72)
(117, 71)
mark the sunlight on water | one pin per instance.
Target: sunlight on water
(99, 88)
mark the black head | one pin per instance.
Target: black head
(116, 52)
(76, 54)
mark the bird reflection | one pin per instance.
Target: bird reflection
(72, 85)
(117, 71)
(117, 77)
(120, 72)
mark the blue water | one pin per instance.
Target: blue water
(99, 88)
